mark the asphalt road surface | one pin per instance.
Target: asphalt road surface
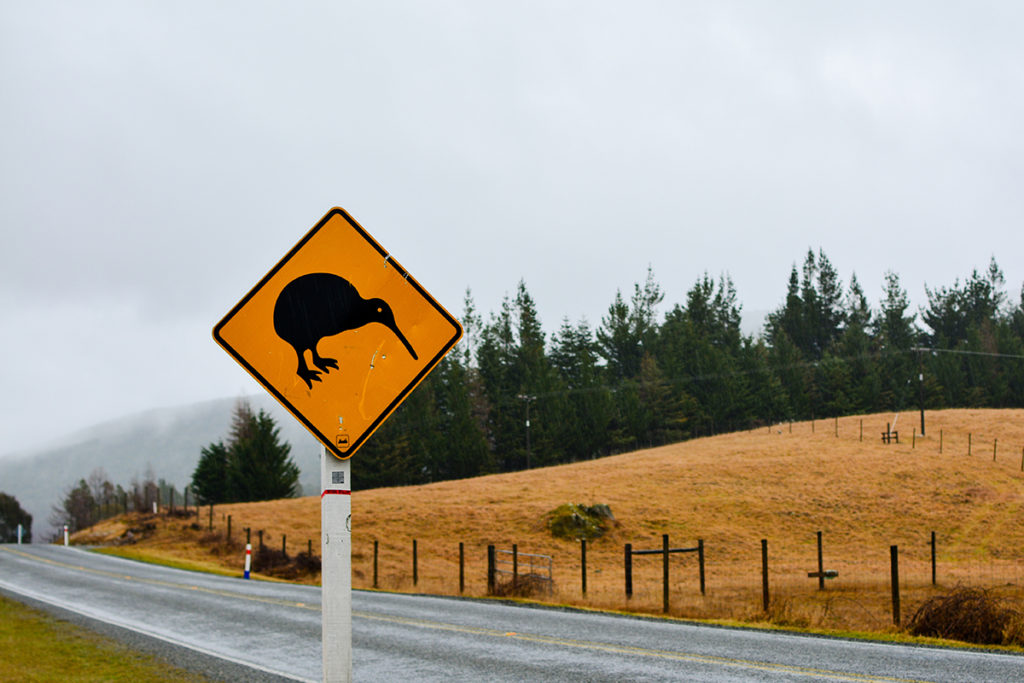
(239, 630)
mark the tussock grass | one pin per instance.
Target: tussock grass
(782, 484)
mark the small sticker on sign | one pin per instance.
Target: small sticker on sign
(337, 477)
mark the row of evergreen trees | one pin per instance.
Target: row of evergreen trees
(510, 398)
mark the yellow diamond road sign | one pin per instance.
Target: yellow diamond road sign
(338, 332)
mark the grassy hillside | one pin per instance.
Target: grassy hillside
(782, 484)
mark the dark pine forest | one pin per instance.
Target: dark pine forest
(639, 378)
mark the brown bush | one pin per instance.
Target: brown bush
(525, 586)
(972, 615)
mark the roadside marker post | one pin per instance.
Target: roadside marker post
(19, 534)
(336, 566)
(340, 294)
(248, 559)
(65, 535)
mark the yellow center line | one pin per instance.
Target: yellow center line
(494, 633)
(640, 651)
(159, 582)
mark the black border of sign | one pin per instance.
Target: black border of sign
(322, 438)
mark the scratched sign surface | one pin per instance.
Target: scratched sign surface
(338, 332)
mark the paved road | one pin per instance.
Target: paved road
(251, 630)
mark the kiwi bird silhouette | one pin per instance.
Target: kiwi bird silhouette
(319, 305)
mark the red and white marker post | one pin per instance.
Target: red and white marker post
(248, 559)
(336, 566)
(65, 535)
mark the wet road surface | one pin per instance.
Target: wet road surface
(252, 630)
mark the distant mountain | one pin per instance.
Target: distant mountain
(167, 439)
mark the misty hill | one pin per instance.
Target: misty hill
(166, 439)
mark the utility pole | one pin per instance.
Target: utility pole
(920, 382)
(528, 398)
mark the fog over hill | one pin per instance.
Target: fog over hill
(168, 440)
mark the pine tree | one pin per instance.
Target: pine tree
(253, 465)
(11, 515)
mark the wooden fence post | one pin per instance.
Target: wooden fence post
(515, 567)
(862, 429)
(664, 573)
(629, 570)
(284, 545)
(375, 563)
(583, 565)
(940, 442)
(894, 557)
(415, 569)
(933, 558)
(229, 528)
(968, 443)
(995, 442)
(821, 566)
(700, 561)
(764, 574)
(490, 570)
(462, 568)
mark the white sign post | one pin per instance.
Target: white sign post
(335, 280)
(336, 567)
(19, 534)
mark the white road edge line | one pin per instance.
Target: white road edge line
(42, 598)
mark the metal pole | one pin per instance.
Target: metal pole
(336, 577)
(462, 568)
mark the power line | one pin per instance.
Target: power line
(921, 349)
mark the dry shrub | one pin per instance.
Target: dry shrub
(524, 586)
(972, 615)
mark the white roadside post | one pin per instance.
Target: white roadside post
(65, 535)
(248, 560)
(336, 567)
(19, 534)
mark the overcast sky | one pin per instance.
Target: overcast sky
(157, 158)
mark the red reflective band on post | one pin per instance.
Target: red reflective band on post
(336, 491)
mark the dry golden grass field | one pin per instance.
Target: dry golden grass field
(782, 484)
